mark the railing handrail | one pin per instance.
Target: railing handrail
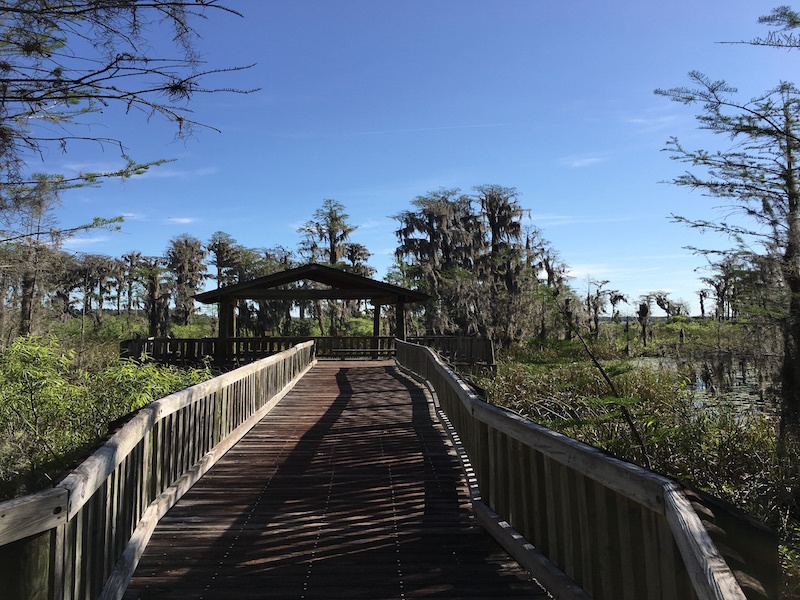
(223, 419)
(89, 475)
(242, 349)
(709, 573)
(245, 338)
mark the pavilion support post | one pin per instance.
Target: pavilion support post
(376, 321)
(227, 329)
(376, 329)
(400, 309)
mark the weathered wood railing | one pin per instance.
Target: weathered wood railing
(460, 351)
(247, 349)
(615, 529)
(83, 538)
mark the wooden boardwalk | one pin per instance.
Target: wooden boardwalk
(347, 489)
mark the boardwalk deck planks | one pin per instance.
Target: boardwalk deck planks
(348, 489)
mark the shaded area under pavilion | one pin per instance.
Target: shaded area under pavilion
(338, 285)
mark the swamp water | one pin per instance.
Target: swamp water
(722, 382)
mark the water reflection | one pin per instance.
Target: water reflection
(720, 381)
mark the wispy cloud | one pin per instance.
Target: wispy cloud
(83, 242)
(181, 220)
(168, 170)
(422, 129)
(604, 270)
(164, 172)
(550, 220)
(671, 256)
(92, 167)
(374, 224)
(649, 124)
(397, 193)
(655, 119)
(133, 217)
(583, 160)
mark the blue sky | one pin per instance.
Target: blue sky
(373, 103)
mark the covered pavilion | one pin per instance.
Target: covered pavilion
(292, 284)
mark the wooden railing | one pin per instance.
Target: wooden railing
(614, 529)
(474, 353)
(341, 346)
(459, 351)
(83, 538)
(243, 350)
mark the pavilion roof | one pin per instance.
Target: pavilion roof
(339, 285)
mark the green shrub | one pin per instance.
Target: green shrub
(135, 385)
(202, 325)
(359, 326)
(52, 411)
(39, 407)
(304, 327)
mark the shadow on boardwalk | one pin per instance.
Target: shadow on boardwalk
(347, 489)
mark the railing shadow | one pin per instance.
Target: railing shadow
(368, 501)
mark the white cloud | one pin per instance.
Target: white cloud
(181, 220)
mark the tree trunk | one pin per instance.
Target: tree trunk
(152, 320)
(320, 317)
(790, 370)
(26, 307)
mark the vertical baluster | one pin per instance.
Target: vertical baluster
(110, 542)
(166, 450)
(501, 474)
(652, 573)
(552, 497)
(586, 539)
(59, 546)
(668, 560)
(515, 493)
(610, 533)
(70, 553)
(567, 523)
(539, 501)
(626, 552)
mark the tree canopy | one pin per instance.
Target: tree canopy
(61, 61)
(758, 179)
